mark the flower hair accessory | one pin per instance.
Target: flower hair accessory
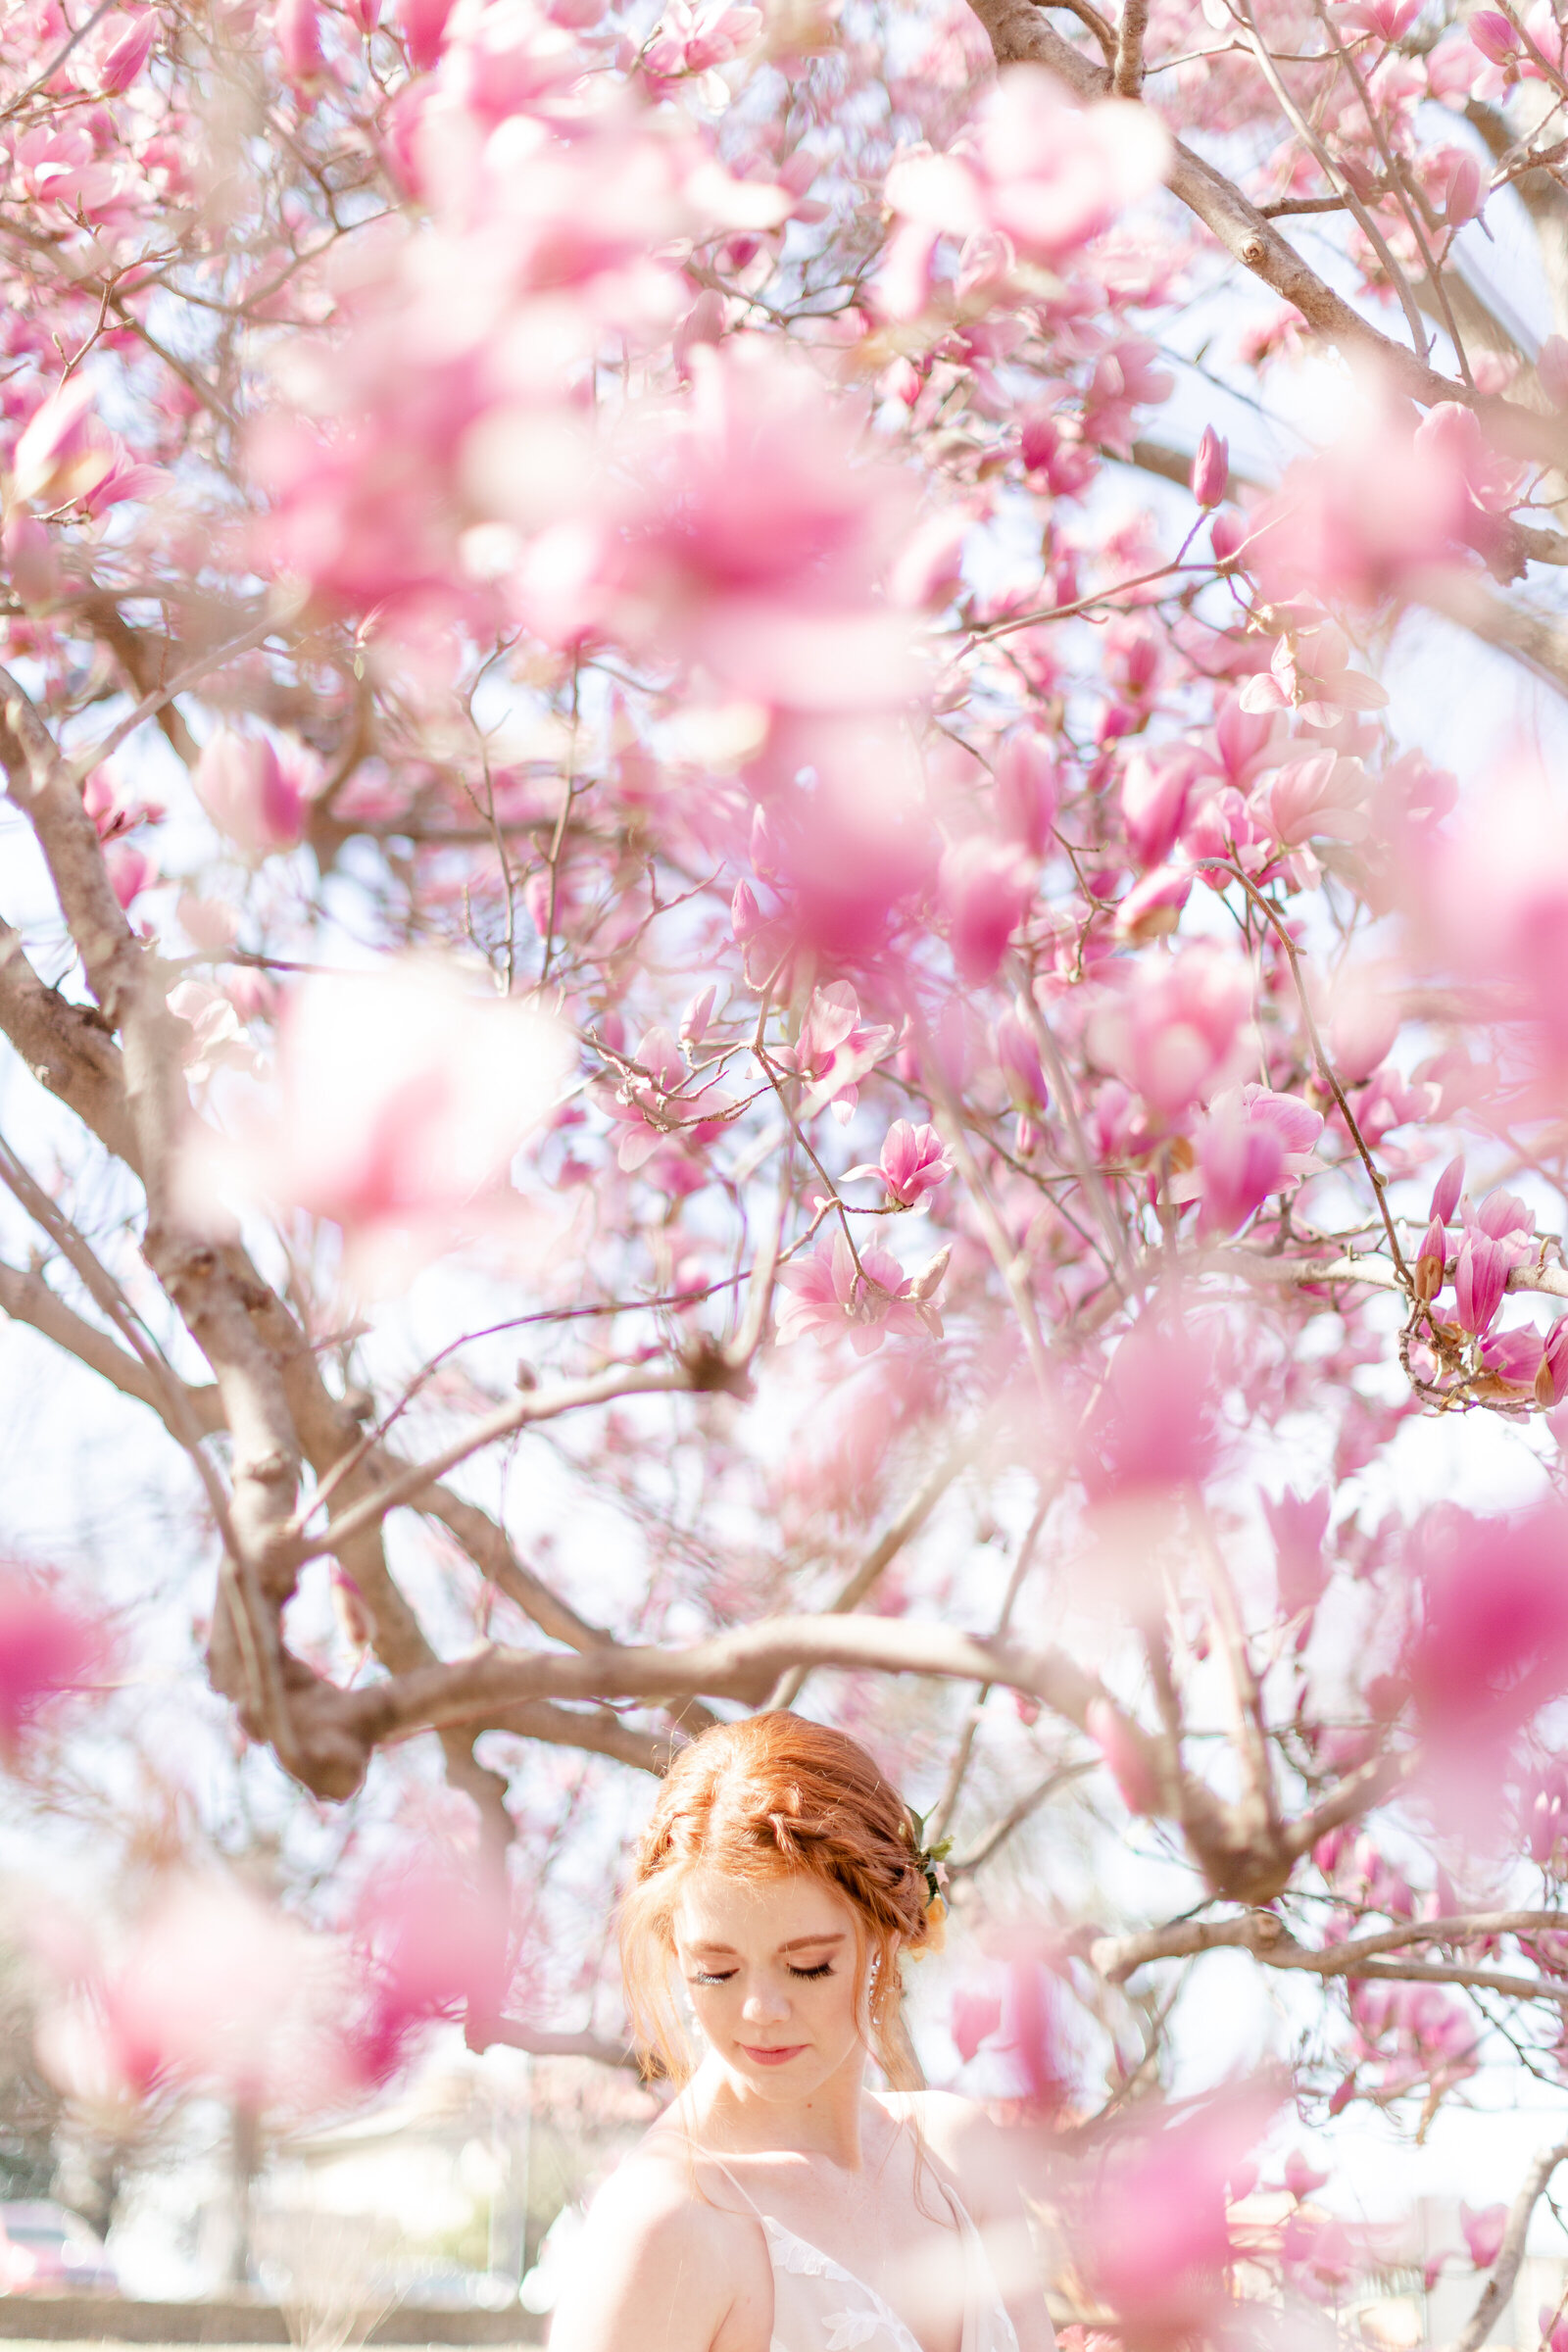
(929, 1860)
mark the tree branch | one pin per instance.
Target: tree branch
(1506, 2269)
(1020, 31)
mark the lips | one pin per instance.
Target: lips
(773, 2057)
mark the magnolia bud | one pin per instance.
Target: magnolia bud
(696, 1015)
(1463, 200)
(128, 54)
(1446, 1192)
(1495, 36)
(1212, 469)
(928, 1281)
(1431, 1262)
(1551, 1375)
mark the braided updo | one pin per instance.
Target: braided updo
(770, 1794)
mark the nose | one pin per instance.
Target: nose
(764, 2005)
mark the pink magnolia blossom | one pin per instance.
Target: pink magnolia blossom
(128, 53)
(1177, 1032)
(429, 1942)
(1157, 789)
(424, 23)
(1484, 2229)
(1018, 1057)
(1027, 789)
(114, 807)
(1363, 1024)
(1156, 2242)
(1479, 1279)
(985, 888)
(1125, 1755)
(1493, 1643)
(1152, 908)
(28, 552)
(250, 794)
(1301, 2176)
(214, 1993)
(928, 570)
(1210, 469)
(1495, 36)
(834, 1050)
(1298, 1526)
(1239, 1162)
(1432, 1261)
(831, 1298)
(1153, 1429)
(1505, 1219)
(1489, 894)
(63, 452)
(914, 1161)
(1551, 1375)
(1514, 1357)
(1253, 1143)
(1464, 192)
(297, 26)
(658, 1100)
(760, 535)
(1446, 1192)
(47, 1648)
(1311, 671)
(1032, 2036)
(974, 2017)
(1045, 172)
(1367, 517)
(1323, 795)
(1385, 19)
(130, 870)
(404, 1098)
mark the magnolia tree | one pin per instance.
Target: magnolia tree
(668, 874)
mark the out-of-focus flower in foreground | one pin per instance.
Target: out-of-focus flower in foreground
(404, 1098)
(47, 1648)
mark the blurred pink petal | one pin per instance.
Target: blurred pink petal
(47, 1648)
(1483, 2232)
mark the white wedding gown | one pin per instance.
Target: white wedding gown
(818, 2306)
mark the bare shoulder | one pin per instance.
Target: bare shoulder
(961, 2135)
(660, 2265)
(995, 2172)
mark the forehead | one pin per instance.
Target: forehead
(758, 1915)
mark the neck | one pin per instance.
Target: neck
(827, 2122)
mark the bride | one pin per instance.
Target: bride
(779, 2205)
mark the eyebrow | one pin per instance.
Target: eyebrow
(797, 1943)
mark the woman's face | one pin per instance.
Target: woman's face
(773, 1969)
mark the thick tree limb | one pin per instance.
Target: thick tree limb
(1265, 1936)
(513, 2034)
(26, 1298)
(67, 1048)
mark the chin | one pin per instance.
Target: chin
(803, 2075)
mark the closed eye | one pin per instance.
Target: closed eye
(707, 1977)
(823, 1968)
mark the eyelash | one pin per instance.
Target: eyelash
(823, 1968)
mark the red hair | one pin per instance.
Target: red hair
(759, 1799)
